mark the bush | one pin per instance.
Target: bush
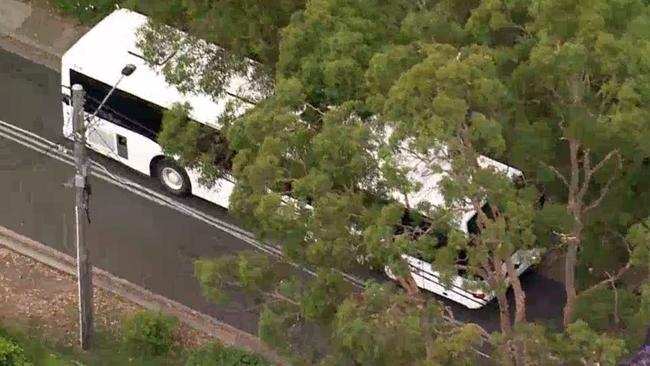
(150, 333)
(215, 354)
(87, 12)
(11, 354)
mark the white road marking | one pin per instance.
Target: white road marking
(61, 153)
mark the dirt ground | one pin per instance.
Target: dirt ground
(37, 297)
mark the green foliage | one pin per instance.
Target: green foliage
(451, 349)
(250, 27)
(252, 271)
(451, 79)
(87, 12)
(321, 299)
(215, 354)
(194, 145)
(582, 345)
(639, 238)
(600, 307)
(538, 342)
(331, 70)
(273, 325)
(577, 345)
(11, 354)
(382, 327)
(551, 218)
(150, 333)
(107, 350)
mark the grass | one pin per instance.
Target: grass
(108, 350)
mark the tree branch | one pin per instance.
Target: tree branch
(605, 189)
(315, 109)
(574, 147)
(611, 279)
(605, 159)
(557, 173)
(239, 97)
(278, 296)
(586, 166)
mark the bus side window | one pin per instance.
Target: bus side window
(123, 109)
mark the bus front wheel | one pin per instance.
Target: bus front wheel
(173, 178)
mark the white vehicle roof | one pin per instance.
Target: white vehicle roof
(429, 191)
(104, 50)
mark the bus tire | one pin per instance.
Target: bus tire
(173, 178)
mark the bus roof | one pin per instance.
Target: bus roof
(103, 51)
(429, 181)
(428, 170)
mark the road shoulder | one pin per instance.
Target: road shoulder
(135, 294)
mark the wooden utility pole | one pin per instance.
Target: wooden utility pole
(84, 269)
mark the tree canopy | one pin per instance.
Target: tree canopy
(557, 88)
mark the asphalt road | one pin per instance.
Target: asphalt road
(130, 236)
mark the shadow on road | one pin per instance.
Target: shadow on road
(544, 301)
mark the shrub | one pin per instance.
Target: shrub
(87, 12)
(215, 354)
(11, 354)
(150, 333)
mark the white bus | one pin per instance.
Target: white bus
(126, 127)
(461, 289)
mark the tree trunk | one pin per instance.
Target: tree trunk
(408, 284)
(506, 328)
(574, 207)
(518, 346)
(519, 351)
(504, 314)
(570, 281)
(577, 207)
(520, 295)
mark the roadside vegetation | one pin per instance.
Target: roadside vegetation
(556, 88)
(147, 339)
(38, 326)
(87, 12)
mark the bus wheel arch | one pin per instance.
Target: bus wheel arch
(171, 176)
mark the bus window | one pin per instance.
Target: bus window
(121, 108)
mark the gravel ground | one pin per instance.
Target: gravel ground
(44, 300)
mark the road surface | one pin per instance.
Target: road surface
(130, 236)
